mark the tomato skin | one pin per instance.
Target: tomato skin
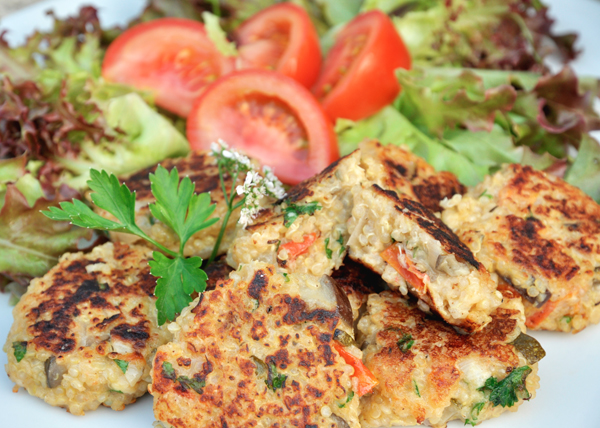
(367, 82)
(281, 38)
(171, 57)
(266, 115)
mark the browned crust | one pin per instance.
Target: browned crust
(407, 173)
(73, 290)
(430, 224)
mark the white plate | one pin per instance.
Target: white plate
(569, 395)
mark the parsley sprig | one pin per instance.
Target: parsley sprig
(176, 206)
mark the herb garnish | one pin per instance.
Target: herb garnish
(328, 252)
(20, 349)
(510, 389)
(340, 241)
(274, 380)
(176, 206)
(416, 388)
(286, 277)
(486, 195)
(477, 408)
(406, 342)
(292, 211)
(195, 384)
(122, 364)
(349, 399)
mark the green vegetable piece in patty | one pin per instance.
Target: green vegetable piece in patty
(122, 365)
(509, 390)
(20, 349)
(292, 211)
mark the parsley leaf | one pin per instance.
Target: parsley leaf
(20, 349)
(274, 380)
(168, 371)
(328, 252)
(406, 342)
(510, 389)
(195, 384)
(122, 365)
(416, 388)
(477, 408)
(292, 211)
(485, 194)
(178, 278)
(340, 241)
(176, 206)
(349, 399)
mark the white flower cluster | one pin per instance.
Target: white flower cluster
(256, 187)
(232, 160)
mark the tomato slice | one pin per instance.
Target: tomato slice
(417, 279)
(171, 57)
(269, 116)
(358, 76)
(363, 380)
(281, 38)
(294, 249)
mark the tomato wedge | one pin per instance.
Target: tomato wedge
(358, 76)
(281, 38)
(269, 116)
(294, 249)
(171, 57)
(417, 279)
(363, 380)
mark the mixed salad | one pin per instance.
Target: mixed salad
(464, 84)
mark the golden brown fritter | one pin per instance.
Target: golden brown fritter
(88, 329)
(202, 169)
(415, 252)
(430, 374)
(256, 352)
(323, 230)
(542, 236)
(396, 168)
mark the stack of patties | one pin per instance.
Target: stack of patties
(542, 236)
(260, 351)
(83, 334)
(202, 169)
(307, 231)
(430, 374)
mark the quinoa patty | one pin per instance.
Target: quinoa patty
(322, 232)
(542, 236)
(430, 374)
(84, 333)
(256, 352)
(415, 252)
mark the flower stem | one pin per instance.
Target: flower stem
(230, 208)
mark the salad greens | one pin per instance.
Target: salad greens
(58, 119)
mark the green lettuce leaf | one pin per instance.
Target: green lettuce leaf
(585, 171)
(391, 127)
(30, 243)
(217, 35)
(437, 102)
(145, 138)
